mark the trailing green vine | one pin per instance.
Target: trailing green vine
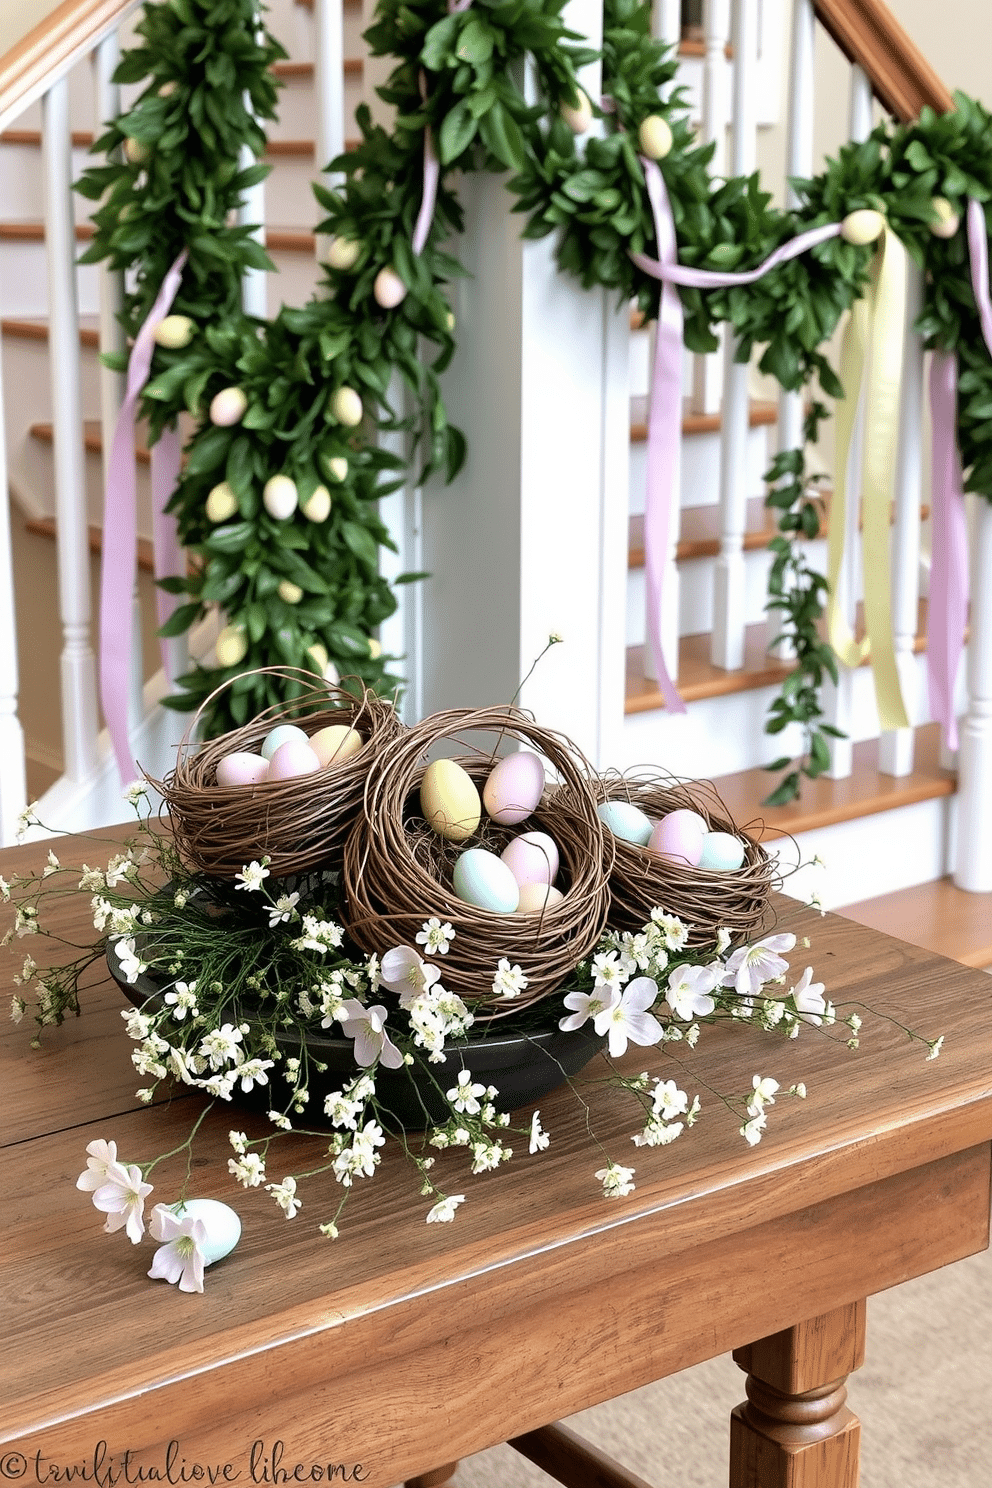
(320, 383)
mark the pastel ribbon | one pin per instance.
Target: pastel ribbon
(872, 358)
(432, 167)
(120, 535)
(665, 406)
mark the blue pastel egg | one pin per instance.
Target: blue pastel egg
(222, 1225)
(483, 879)
(721, 852)
(625, 821)
(281, 734)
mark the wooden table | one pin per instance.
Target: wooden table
(399, 1347)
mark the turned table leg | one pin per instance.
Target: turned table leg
(795, 1430)
(433, 1479)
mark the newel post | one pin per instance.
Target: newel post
(531, 537)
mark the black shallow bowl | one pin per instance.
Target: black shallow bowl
(523, 1067)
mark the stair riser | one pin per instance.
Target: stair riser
(700, 483)
(26, 368)
(24, 282)
(297, 111)
(22, 185)
(721, 735)
(35, 470)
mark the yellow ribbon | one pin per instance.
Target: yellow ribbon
(871, 355)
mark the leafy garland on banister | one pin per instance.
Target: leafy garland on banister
(317, 383)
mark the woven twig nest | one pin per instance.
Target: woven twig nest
(298, 824)
(397, 870)
(706, 900)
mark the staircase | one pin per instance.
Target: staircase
(887, 839)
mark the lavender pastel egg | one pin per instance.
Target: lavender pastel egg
(532, 858)
(514, 788)
(242, 768)
(281, 734)
(722, 852)
(678, 838)
(293, 759)
(480, 878)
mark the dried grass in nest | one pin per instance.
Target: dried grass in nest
(397, 871)
(298, 824)
(706, 900)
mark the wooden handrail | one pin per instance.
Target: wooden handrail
(901, 77)
(51, 49)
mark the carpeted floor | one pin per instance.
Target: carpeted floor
(924, 1396)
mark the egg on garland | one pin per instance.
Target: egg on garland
(231, 646)
(343, 253)
(514, 788)
(388, 289)
(862, 227)
(532, 858)
(655, 137)
(947, 220)
(289, 592)
(336, 467)
(317, 507)
(578, 116)
(481, 878)
(279, 497)
(346, 407)
(174, 332)
(222, 503)
(228, 407)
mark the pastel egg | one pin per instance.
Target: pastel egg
(655, 137)
(625, 821)
(222, 504)
(578, 116)
(222, 1225)
(231, 646)
(228, 407)
(480, 878)
(174, 331)
(862, 227)
(279, 497)
(538, 897)
(449, 800)
(346, 407)
(242, 768)
(335, 743)
(532, 858)
(722, 852)
(678, 837)
(280, 735)
(947, 220)
(291, 760)
(388, 289)
(343, 253)
(514, 788)
(317, 507)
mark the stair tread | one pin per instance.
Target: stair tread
(92, 439)
(37, 330)
(352, 67)
(698, 678)
(82, 139)
(865, 792)
(699, 536)
(936, 916)
(762, 413)
(279, 239)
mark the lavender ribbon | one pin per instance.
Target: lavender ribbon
(665, 407)
(120, 535)
(432, 166)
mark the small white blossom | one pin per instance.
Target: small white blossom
(464, 1096)
(628, 1018)
(799, 1090)
(27, 819)
(249, 1169)
(284, 1194)
(330, 1230)
(689, 990)
(489, 1155)
(252, 877)
(723, 939)
(443, 1211)
(182, 1000)
(616, 1181)
(588, 1005)
(751, 1130)
(26, 920)
(403, 970)
(135, 792)
(252, 1073)
(367, 1026)
(435, 937)
(283, 909)
(122, 1199)
(809, 1001)
(607, 971)
(674, 932)
(753, 965)
(181, 1258)
(220, 1046)
(539, 1138)
(762, 1094)
(318, 935)
(935, 1048)
(509, 981)
(17, 1008)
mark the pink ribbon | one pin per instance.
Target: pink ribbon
(432, 166)
(120, 534)
(665, 407)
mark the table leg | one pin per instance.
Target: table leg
(795, 1430)
(433, 1479)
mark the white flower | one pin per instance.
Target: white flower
(555, 638)
(279, 1119)
(102, 1157)
(509, 981)
(751, 1130)
(367, 1026)
(284, 1194)
(130, 962)
(435, 937)
(52, 866)
(26, 920)
(238, 1141)
(118, 869)
(341, 1111)
(252, 1073)
(762, 1094)
(935, 1048)
(17, 1008)
(5, 889)
(464, 1095)
(628, 1019)
(667, 1100)
(318, 935)
(122, 1199)
(588, 1005)
(607, 971)
(330, 1230)
(444, 1210)
(616, 1181)
(689, 988)
(751, 966)
(488, 1155)
(673, 931)
(183, 1000)
(220, 1046)
(403, 970)
(657, 1133)
(248, 1169)
(181, 1258)
(799, 1090)
(539, 1138)
(252, 877)
(723, 939)
(134, 793)
(283, 909)
(808, 998)
(28, 818)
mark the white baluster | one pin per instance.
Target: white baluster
(251, 213)
(973, 869)
(839, 700)
(895, 746)
(667, 20)
(79, 711)
(707, 371)
(329, 90)
(13, 791)
(798, 162)
(401, 634)
(727, 644)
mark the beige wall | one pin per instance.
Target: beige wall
(17, 17)
(956, 37)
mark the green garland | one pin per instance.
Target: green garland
(457, 74)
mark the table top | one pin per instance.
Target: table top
(94, 1347)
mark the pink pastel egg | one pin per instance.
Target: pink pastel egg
(292, 759)
(531, 858)
(242, 769)
(678, 838)
(514, 788)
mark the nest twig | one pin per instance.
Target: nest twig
(298, 824)
(397, 872)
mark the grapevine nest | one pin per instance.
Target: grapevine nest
(298, 824)
(706, 900)
(398, 872)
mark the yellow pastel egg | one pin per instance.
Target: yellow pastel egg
(337, 467)
(135, 153)
(290, 592)
(318, 657)
(228, 407)
(388, 289)
(449, 800)
(279, 497)
(578, 116)
(536, 898)
(335, 743)
(655, 137)
(317, 507)
(862, 227)
(449, 320)
(174, 331)
(948, 220)
(346, 407)
(167, 89)
(222, 503)
(343, 253)
(375, 648)
(232, 646)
